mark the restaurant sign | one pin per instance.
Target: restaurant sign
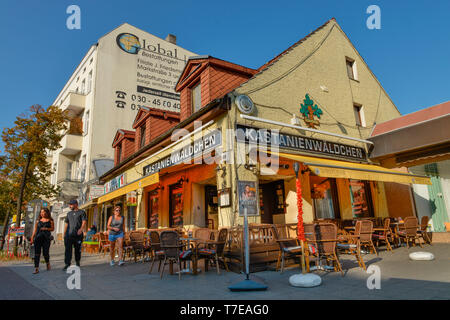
(300, 143)
(187, 154)
(114, 183)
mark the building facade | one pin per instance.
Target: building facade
(242, 130)
(125, 69)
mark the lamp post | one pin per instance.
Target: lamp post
(303, 279)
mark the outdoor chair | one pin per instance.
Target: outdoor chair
(423, 230)
(409, 231)
(383, 234)
(361, 236)
(104, 243)
(155, 250)
(172, 248)
(204, 234)
(324, 245)
(214, 250)
(288, 248)
(137, 244)
(126, 245)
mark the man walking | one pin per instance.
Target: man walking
(75, 223)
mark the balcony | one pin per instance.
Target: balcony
(72, 142)
(70, 188)
(74, 103)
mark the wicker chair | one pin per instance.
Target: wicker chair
(409, 231)
(172, 248)
(423, 230)
(204, 234)
(127, 248)
(325, 244)
(214, 250)
(104, 243)
(361, 236)
(288, 248)
(384, 234)
(155, 249)
(137, 243)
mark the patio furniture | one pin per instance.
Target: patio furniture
(383, 234)
(324, 245)
(361, 236)
(423, 230)
(204, 234)
(126, 245)
(137, 243)
(289, 248)
(172, 248)
(155, 250)
(104, 243)
(409, 231)
(214, 250)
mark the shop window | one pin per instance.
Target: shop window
(361, 199)
(324, 195)
(176, 206)
(196, 97)
(153, 210)
(359, 115)
(131, 218)
(351, 68)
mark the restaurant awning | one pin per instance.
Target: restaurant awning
(349, 170)
(141, 183)
(88, 204)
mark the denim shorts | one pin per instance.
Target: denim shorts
(114, 237)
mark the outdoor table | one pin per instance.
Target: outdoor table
(188, 270)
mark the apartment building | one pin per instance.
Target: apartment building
(123, 71)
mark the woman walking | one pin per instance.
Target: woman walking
(42, 237)
(115, 227)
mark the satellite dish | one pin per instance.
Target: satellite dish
(245, 104)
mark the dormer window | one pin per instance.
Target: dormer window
(196, 92)
(119, 153)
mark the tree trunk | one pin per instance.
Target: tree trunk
(5, 229)
(20, 199)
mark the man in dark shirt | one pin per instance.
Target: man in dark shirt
(75, 223)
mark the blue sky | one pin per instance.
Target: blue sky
(410, 54)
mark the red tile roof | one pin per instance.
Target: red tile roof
(412, 118)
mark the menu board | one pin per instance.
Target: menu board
(177, 207)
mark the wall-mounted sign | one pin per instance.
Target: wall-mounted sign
(245, 104)
(299, 143)
(224, 196)
(309, 110)
(188, 153)
(114, 183)
(95, 191)
(247, 198)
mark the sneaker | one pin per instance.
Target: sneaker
(65, 267)
(111, 263)
(121, 262)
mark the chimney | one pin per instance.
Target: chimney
(171, 38)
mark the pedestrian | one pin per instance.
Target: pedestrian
(75, 223)
(115, 228)
(91, 232)
(42, 237)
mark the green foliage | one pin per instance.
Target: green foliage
(33, 134)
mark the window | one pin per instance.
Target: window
(142, 137)
(196, 97)
(86, 123)
(83, 86)
(325, 197)
(69, 171)
(361, 199)
(359, 115)
(351, 69)
(83, 168)
(89, 84)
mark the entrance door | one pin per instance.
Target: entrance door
(211, 207)
(271, 200)
(176, 205)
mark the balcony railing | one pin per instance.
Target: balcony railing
(74, 103)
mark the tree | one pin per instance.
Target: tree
(26, 145)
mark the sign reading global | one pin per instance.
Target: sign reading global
(128, 42)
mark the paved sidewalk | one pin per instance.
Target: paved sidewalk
(401, 278)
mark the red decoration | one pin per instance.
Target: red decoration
(300, 228)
